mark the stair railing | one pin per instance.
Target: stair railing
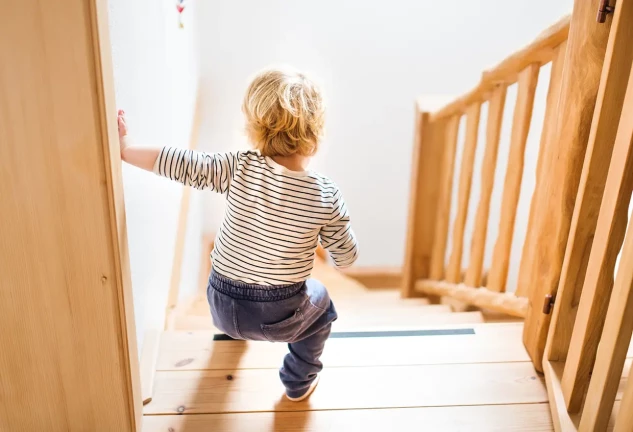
(427, 269)
(588, 340)
(579, 214)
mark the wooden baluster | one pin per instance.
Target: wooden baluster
(614, 344)
(493, 133)
(454, 269)
(624, 420)
(561, 174)
(444, 199)
(428, 150)
(615, 75)
(520, 127)
(596, 291)
(530, 247)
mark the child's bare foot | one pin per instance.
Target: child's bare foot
(308, 392)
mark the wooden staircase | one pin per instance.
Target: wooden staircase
(405, 364)
(391, 364)
(359, 308)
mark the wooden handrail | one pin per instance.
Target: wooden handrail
(540, 51)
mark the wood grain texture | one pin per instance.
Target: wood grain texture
(423, 200)
(493, 132)
(615, 75)
(584, 57)
(490, 344)
(562, 420)
(598, 284)
(481, 297)
(259, 390)
(69, 357)
(454, 269)
(528, 78)
(443, 209)
(624, 420)
(530, 246)
(497, 418)
(614, 344)
(540, 51)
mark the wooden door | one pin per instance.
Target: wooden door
(68, 356)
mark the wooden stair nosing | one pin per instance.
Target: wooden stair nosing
(485, 418)
(256, 390)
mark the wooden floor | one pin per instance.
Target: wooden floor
(459, 374)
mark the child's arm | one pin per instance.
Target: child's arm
(191, 168)
(338, 237)
(141, 157)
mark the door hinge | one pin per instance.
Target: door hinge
(603, 10)
(548, 302)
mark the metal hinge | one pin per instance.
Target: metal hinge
(603, 10)
(548, 302)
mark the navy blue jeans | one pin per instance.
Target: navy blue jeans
(299, 314)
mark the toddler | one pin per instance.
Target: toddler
(277, 211)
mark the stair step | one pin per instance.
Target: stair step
(365, 298)
(399, 319)
(489, 344)
(257, 390)
(506, 418)
(387, 319)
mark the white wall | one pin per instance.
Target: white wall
(373, 59)
(155, 83)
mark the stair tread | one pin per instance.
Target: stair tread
(506, 418)
(363, 321)
(180, 350)
(257, 390)
(369, 299)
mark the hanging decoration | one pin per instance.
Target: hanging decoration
(180, 6)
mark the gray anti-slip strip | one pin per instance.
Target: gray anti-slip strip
(380, 334)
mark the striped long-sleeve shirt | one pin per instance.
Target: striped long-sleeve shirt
(274, 217)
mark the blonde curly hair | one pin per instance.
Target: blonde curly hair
(284, 113)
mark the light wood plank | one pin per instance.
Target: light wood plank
(581, 77)
(423, 199)
(149, 357)
(490, 344)
(617, 66)
(349, 388)
(614, 344)
(481, 297)
(445, 187)
(495, 418)
(68, 355)
(546, 147)
(624, 420)
(610, 230)
(498, 275)
(454, 269)
(562, 420)
(493, 132)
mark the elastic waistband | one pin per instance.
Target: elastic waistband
(250, 292)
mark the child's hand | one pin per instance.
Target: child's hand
(122, 128)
